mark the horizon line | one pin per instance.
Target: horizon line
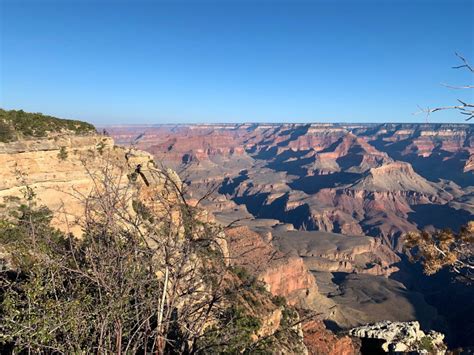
(276, 123)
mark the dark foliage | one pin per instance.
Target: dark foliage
(17, 124)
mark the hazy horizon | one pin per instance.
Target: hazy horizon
(273, 123)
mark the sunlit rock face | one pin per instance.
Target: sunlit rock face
(401, 337)
(60, 170)
(469, 166)
(284, 275)
(319, 340)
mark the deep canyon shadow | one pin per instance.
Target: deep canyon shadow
(314, 183)
(292, 162)
(451, 298)
(439, 216)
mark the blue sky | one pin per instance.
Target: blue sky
(233, 61)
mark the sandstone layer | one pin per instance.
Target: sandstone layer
(61, 171)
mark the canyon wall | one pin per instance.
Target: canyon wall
(60, 170)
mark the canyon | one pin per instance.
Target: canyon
(376, 180)
(316, 212)
(335, 200)
(60, 170)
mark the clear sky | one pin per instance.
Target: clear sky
(232, 61)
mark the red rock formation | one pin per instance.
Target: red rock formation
(197, 147)
(340, 178)
(285, 276)
(321, 341)
(288, 277)
(316, 140)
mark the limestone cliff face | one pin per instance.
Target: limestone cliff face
(288, 278)
(60, 169)
(285, 276)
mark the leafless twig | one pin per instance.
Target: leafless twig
(464, 108)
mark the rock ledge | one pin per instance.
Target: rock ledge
(402, 337)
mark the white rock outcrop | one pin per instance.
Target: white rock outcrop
(402, 337)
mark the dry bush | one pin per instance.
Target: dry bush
(444, 249)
